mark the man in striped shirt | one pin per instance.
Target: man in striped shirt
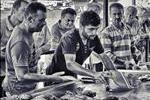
(116, 39)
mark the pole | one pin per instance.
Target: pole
(105, 13)
(134, 2)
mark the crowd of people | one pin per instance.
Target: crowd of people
(25, 36)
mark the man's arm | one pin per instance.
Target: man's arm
(75, 67)
(69, 51)
(20, 59)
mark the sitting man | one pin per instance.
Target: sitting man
(21, 68)
(77, 45)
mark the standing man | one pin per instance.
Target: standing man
(132, 23)
(7, 26)
(77, 45)
(116, 39)
(21, 70)
(59, 29)
(65, 24)
(143, 32)
(131, 19)
(42, 41)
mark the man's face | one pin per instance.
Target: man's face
(68, 21)
(38, 21)
(21, 10)
(142, 19)
(130, 17)
(116, 15)
(89, 31)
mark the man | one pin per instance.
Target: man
(42, 39)
(132, 23)
(144, 21)
(66, 23)
(77, 45)
(59, 29)
(7, 25)
(131, 20)
(20, 65)
(143, 33)
(116, 39)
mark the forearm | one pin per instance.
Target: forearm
(115, 59)
(2, 55)
(78, 69)
(33, 77)
(54, 43)
(45, 47)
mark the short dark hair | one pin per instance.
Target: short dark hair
(142, 11)
(68, 11)
(17, 4)
(116, 5)
(34, 7)
(131, 10)
(89, 18)
(98, 5)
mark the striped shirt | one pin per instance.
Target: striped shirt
(117, 44)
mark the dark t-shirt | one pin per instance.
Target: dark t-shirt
(57, 31)
(72, 43)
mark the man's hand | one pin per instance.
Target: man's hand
(68, 78)
(63, 78)
(24, 97)
(38, 53)
(100, 78)
(129, 64)
(59, 73)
